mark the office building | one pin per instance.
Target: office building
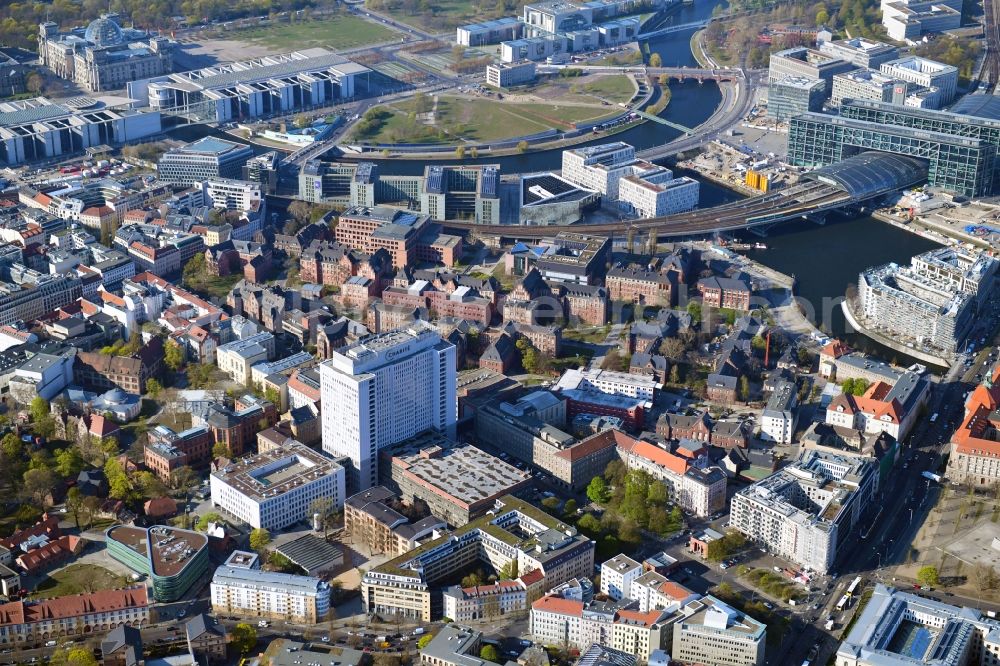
(37, 294)
(906, 20)
(275, 489)
(262, 170)
(408, 237)
(238, 357)
(960, 150)
(273, 84)
(457, 482)
(249, 592)
(899, 628)
(205, 159)
(559, 621)
(652, 191)
(373, 518)
(861, 52)
(777, 421)
(926, 73)
(38, 129)
(711, 631)
(617, 576)
(489, 32)
(547, 552)
(932, 303)
(174, 559)
(792, 95)
(975, 444)
(13, 79)
(508, 75)
(547, 198)
(389, 388)
(807, 63)
(866, 84)
(805, 511)
(886, 407)
(104, 55)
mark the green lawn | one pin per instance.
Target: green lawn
(618, 88)
(444, 15)
(341, 32)
(78, 579)
(476, 119)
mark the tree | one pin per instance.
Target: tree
(244, 637)
(522, 146)
(38, 483)
(210, 517)
(508, 571)
(119, 484)
(81, 657)
(12, 447)
(149, 485)
(74, 504)
(39, 408)
(694, 309)
(489, 653)
(460, 152)
(259, 539)
(928, 576)
(153, 387)
(856, 386)
(221, 450)
(597, 490)
(675, 374)
(615, 472)
(68, 462)
(589, 525)
(985, 576)
(569, 508)
(551, 503)
(473, 579)
(804, 357)
(424, 640)
(655, 60)
(743, 389)
(300, 211)
(325, 508)
(302, 121)
(173, 355)
(184, 479)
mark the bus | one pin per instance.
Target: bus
(852, 589)
(842, 604)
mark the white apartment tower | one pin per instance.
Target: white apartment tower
(382, 391)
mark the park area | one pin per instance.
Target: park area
(78, 579)
(450, 119)
(340, 32)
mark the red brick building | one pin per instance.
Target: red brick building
(723, 292)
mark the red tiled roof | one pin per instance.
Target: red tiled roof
(594, 443)
(19, 612)
(555, 604)
(658, 456)
(835, 349)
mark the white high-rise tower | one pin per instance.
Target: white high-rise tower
(384, 390)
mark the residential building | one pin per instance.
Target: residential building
(711, 631)
(805, 511)
(269, 595)
(559, 621)
(73, 615)
(206, 638)
(922, 305)
(238, 357)
(617, 576)
(551, 552)
(206, 159)
(174, 559)
(389, 388)
(273, 490)
(457, 482)
(408, 237)
(779, 418)
(122, 647)
(129, 373)
(641, 285)
(104, 55)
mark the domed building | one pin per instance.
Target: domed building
(104, 55)
(104, 31)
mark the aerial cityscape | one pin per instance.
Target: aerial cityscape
(556, 333)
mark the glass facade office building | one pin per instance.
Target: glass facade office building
(960, 151)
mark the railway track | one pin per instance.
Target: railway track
(989, 74)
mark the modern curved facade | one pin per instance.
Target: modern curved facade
(174, 559)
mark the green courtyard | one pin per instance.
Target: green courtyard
(341, 32)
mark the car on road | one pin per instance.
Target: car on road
(262, 623)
